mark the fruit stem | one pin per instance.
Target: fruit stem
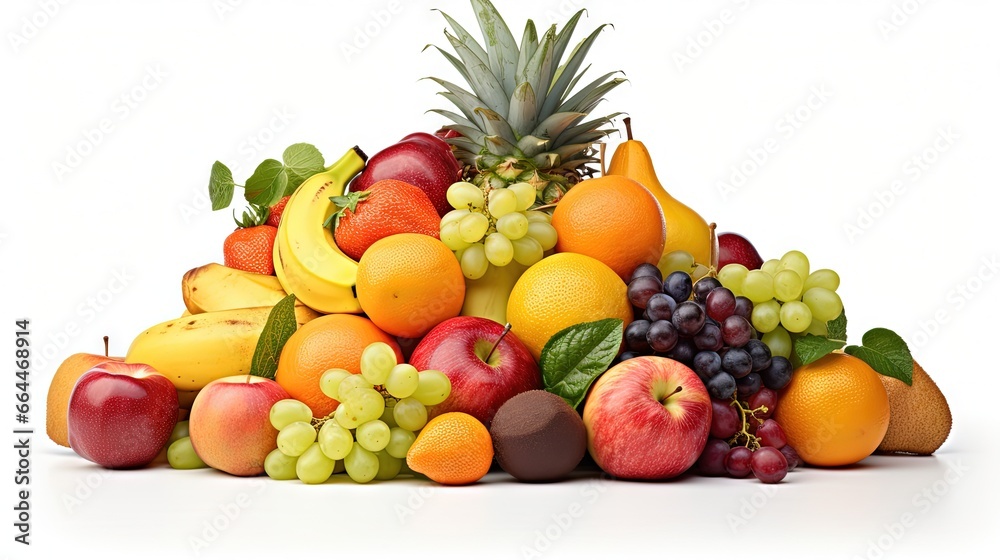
(753, 442)
(628, 127)
(106, 355)
(604, 168)
(665, 398)
(506, 330)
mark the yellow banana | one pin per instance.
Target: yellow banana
(307, 260)
(215, 287)
(195, 350)
(487, 297)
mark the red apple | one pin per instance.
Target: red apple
(121, 415)
(647, 418)
(484, 373)
(734, 248)
(230, 423)
(420, 159)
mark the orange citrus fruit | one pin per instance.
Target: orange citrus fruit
(613, 219)
(453, 448)
(330, 341)
(408, 283)
(563, 290)
(835, 411)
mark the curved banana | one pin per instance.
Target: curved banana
(195, 350)
(311, 265)
(215, 287)
(487, 297)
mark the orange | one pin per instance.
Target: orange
(561, 291)
(453, 448)
(408, 283)
(330, 341)
(835, 411)
(613, 219)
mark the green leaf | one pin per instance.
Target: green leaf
(281, 324)
(886, 352)
(837, 328)
(573, 358)
(301, 162)
(267, 184)
(810, 348)
(220, 186)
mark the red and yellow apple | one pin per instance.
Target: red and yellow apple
(65, 378)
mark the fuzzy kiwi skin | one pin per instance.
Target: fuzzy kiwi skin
(919, 417)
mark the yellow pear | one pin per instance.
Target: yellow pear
(686, 229)
(57, 400)
(919, 417)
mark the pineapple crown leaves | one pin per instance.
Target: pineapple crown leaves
(344, 203)
(255, 215)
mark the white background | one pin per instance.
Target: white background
(897, 74)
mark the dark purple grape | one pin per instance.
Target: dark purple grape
(765, 398)
(635, 336)
(704, 287)
(677, 285)
(646, 269)
(720, 303)
(747, 386)
(778, 374)
(737, 362)
(683, 352)
(660, 307)
(736, 331)
(760, 353)
(641, 289)
(706, 364)
(769, 465)
(771, 434)
(689, 318)
(709, 338)
(725, 420)
(712, 461)
(721, 386)
(792, 457)
(744, 307)
(661, 336)
(738, 462)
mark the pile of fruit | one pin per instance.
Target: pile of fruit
(492, 294)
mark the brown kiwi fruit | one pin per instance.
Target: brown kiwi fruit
(919, 417)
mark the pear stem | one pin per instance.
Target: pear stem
(628, 127)
(106, 347)
(506, 330)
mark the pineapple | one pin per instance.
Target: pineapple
(522, 121)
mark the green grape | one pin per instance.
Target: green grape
(787, 285)
(676, 261)
(367, 405)
(527, 250)
(537, 216)
(454, 216)
(377, 360)
(181, 455)
(544, 233)
(797, 261)
(822, 278)
(525, 193)
(345, 416)
(779, 342)
(350, 384)
(180, 430)
(433, 387)
(473, 227)
(502, 202)
(361, 464)
(732, 276)
(498, 249)
(513, 226)
(451, 236)
(765, 316)
(402, 381)
(474, 262)
(463, 195)
(329, 383)
(795, 316)
(410, 414)
(373, 435)
(770, 267)
(279, 466)
(824, 304)
(295, 438)
(313, 467)
(388, 466)
(287, 411)
(817, 328)
(387, 415)
(400, 441)
(334, 440)
(758, 286)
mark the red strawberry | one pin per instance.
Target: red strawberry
(386, 208)
(251, 247)
(274, 218)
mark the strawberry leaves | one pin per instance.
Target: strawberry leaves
(344, 203)
(270, 181)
